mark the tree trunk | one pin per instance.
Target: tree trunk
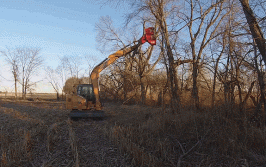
(261, 82)
(195, 94)
(254, 28)
(240, 97)
(226, 80)
(16, 91)
(232, 93)
(160, 98)
(125, 77)
(125, 86)
(57, 96)
(239, 88)
(143, 91)
(248, 95)
(214, 80)
(159, 13)
(23, 90)
(172, 71)
(15, 79)
(182, 80)
(25, 93)
(216, 69)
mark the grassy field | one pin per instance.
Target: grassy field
(43, 96)
(39, 133)
(156, 137)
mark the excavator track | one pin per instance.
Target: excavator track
(78, 114)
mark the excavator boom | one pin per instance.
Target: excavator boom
(108, 61)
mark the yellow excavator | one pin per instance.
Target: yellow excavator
(85, 102)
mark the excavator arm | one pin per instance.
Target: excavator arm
(148, 37)
(108, 61)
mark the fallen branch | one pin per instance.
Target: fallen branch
(186, 153)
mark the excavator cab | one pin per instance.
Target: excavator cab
(82, 103)
(86, 91)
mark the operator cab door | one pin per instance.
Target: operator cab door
(86, 91)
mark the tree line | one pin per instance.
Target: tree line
(215, 46)
(26, 62)
(23, 63)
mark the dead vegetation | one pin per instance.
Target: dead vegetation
(40, 134)
(212, 137)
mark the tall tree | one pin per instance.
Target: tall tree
(11, 58)
(29, 62)
(203, 23)
(53, 79)
(254, 28)
(140, 59)
(158, 9)
(144, 68)
(73, 65)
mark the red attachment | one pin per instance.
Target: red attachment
(149, 36)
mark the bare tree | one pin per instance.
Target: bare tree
(208, 20)
(73, 65)
(109, 35)
(254, 28)
(158, 9)
(11, 58)
(29, 62)
(217, 61)
(259, 68)
(90, 63)
(224, 45)
(144, 68)
(53, 79)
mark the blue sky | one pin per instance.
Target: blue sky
(59, 27)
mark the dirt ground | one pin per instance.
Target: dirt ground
(39, 133)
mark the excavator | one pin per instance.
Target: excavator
(84, 102)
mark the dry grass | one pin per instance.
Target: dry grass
(39, 133)
(211, 137)
(73, 144)
(25, 128)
